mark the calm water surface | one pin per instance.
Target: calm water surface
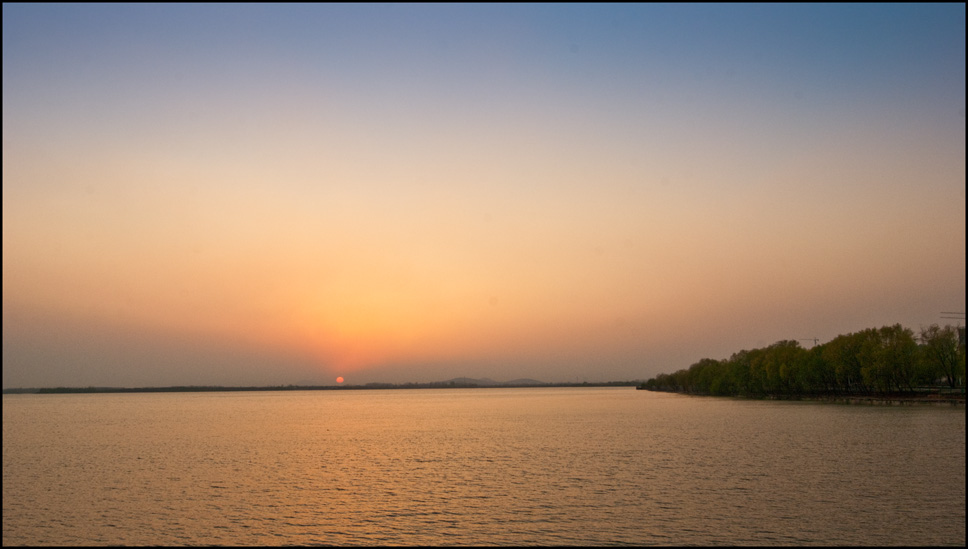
(548, 466)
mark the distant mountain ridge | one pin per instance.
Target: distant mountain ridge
(487, 382)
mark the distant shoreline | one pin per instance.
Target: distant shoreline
(872, 399)
(368, 386)
(936, 399)
(948, 400)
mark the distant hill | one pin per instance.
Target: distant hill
(525, 382)
(487, 382)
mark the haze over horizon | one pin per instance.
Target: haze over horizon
(271, 194)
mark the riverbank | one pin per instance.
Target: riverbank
(933, 399)
(457, 383)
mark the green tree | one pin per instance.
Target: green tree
(740, 368)
(711, 377)
(818, 374)
(780, 364)
(843, 354)
(940, 354)
(899, 353)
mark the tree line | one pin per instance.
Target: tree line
(888, 360)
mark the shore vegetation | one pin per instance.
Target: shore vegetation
(887, 362)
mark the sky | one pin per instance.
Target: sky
(263, 194)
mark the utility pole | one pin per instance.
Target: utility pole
(814, 340)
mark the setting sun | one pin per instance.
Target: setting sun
(493, 217)
(339, 379)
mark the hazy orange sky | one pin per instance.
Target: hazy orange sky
(273, 194)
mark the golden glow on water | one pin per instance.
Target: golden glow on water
(548, 466)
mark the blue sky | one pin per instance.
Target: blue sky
(260, 193)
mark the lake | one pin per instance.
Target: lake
(501, 466)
